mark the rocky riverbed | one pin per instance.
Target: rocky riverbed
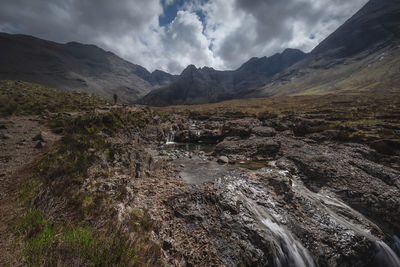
(270, 193)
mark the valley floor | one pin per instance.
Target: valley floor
(311, 184)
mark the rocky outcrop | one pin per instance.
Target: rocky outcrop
(248, 148)
(311, 202)
(352, 171)
(263, 131)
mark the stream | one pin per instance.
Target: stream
(261, 209)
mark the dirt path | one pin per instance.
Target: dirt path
(19, 150)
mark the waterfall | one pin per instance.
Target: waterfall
(170, 138)
(386, 256)
(396, 244)
(289, 252)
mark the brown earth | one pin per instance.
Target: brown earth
(19, 150)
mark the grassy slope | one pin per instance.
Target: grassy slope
(365, 72)
(22, 98)
(56, 239)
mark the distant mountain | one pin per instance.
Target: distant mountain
(75, 66)
(205, 85)
(374, 26)
(362, 54)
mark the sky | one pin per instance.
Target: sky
(171, 34)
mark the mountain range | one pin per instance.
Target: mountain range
(204, 85)
(75, 66)
(362, 54)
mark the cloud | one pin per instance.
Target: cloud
(241, 29)
(218, 33)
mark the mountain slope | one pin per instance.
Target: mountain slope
(362, 54)
(74, 65)
(205, 85)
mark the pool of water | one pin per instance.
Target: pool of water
(197, 168)
(192, 147)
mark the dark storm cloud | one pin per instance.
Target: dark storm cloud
(218, 33)
(79, 20)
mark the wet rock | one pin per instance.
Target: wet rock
(387, 146)
(252, 147)
(241, 128)
(349, 170)
(207, 136)
(223, 160)
(182, 136)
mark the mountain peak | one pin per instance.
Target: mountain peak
(189, 69)
(374, 24)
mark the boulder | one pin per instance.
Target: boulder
(223, 160)
(40, 144)
(263, 131)
(241, 128)
(306, 126)
(38, 137)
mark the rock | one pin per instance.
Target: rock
(386, 146)
(3, 127)
(223, 160)
(263, 131)
(37, 137)
(350, 171)
(252, 147)
(91, 150)
(306, 126)
(5, 136)
(241, 128)
(40, 144)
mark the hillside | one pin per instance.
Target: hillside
(362, 54)
(75, 66)
(205, 85)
